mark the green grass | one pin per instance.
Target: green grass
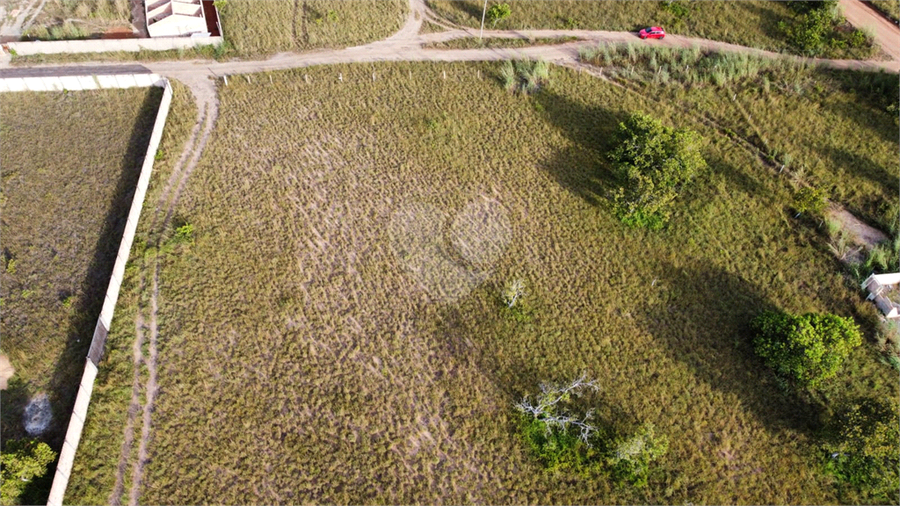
(474, 43)
(324, 339)
(70, 163)
(262, 27)
(889, 7)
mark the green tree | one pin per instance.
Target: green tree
(22, 462)
(863, 450)
(632, 456)
(808, 348)
(497, 13)
(655, 161)
(810, 30)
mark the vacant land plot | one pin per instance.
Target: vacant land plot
(260, 27)
(70, 163)
(333, 332)
(750, 23)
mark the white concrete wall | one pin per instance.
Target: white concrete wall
(77, 83)
(79, 413)
(110, 45)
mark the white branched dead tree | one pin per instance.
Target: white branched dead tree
(547, 407)
(513, 292)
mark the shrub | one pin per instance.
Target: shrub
(808, 348)
(862, 451)
(809, 200)
(632, 456)
(809, 31)
(654, 161)
(22, 461)
(559, 439)
(677, 9)
(526, 76)
(513, 292)
(497, 13)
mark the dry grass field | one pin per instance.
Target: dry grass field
(261, 27)
(69, 165)
(333, 332)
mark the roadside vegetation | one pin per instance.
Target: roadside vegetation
(751, 23)
(889, 7)
(70, 163)
(799, 27)
(819, 29)
(474, 43)
(438, 243)
(68, 20)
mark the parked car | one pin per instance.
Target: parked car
(654, 32)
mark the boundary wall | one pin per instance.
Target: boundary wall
(98, 342)
(110, 45)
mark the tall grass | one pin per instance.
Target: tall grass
(330, 366)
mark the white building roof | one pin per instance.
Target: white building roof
(174, 18)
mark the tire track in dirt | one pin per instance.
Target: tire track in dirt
(115, 497)
(152, 389)
(204, 93)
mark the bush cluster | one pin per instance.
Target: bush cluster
(654, 162)
(806, 349)
(862, 452)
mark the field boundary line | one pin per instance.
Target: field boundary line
(98, 342)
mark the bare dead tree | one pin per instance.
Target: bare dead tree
(547, 407)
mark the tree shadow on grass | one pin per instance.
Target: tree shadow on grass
(862, 166)
(467, 8)
(704, 321)
(582, 167)
(91, 294)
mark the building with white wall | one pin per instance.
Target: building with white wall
(175, 18)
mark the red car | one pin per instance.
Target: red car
(654, 32)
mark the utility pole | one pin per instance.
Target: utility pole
(483, 12)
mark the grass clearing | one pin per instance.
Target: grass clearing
(70, 163)
(261, 27)
(335, 331)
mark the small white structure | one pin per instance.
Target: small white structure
(175, 18)
(884, 289)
